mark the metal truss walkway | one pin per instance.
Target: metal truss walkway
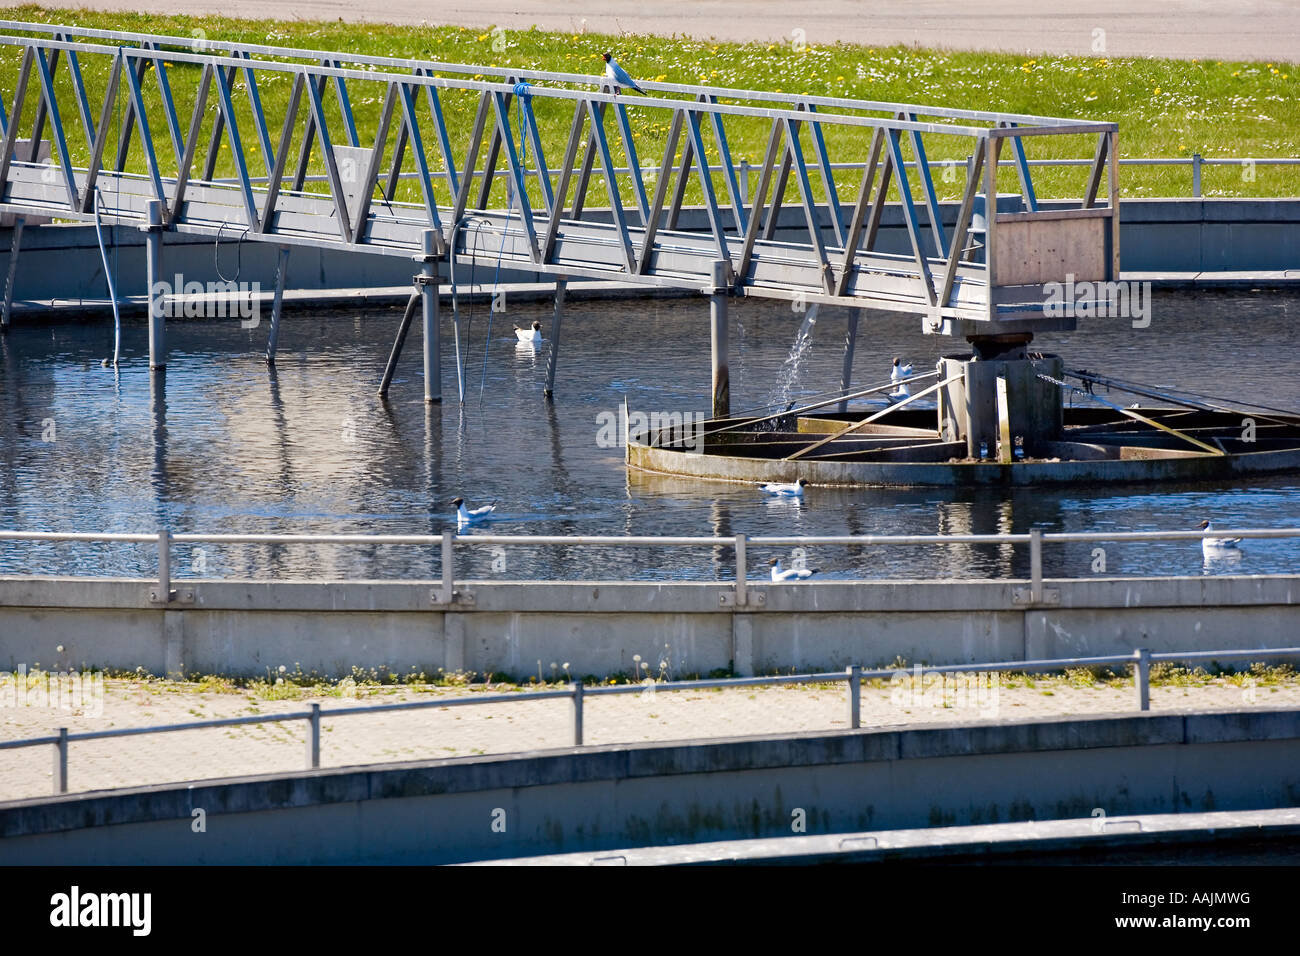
(517, 168)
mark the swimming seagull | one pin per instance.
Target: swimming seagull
(467, 516)
(792, 574)
(792, 490)
(619, 75)
(900, 371)
(531, 335)
(1217, 545)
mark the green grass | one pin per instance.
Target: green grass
(1165, 108)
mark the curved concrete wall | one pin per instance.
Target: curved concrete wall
(599, 798)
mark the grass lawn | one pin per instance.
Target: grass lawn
(1165, 108)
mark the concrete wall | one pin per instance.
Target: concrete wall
(246, 627)
(1156, 235)
(606, 797)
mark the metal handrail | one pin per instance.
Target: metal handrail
(1035, 538)
(1141, 659)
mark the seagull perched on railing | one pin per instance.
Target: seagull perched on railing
(531, 335)
(792, 490)
(789, 574)
(619, 76)
(466, 516)
(1217, 545)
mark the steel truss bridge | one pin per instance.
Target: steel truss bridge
(457, 163)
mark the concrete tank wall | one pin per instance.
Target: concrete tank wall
(246, 628)
(601, 798)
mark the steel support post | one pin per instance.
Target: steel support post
(277, 304)
(153, 272)
(429, 300)
(14, 248)
(553, 356)
(718, 338)
(846, 373)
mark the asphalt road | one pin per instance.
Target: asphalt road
(1219, 29)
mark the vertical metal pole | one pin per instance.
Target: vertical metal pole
(577, 713)
(1112, 169)
(718, 338)
(448, 580)
(14, 247)
(1035, 565)
(61, 762)
(281, 268)
(164, 565)
(313, 738)
(552, 358)
(744, 182)
(742, 572)
(1142, 678)
(855, 696)
(429, 297)
(1196, 175)
(991, 218)
(846, 374)
(153, 272)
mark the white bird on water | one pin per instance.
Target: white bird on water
(789, 574)
(792, 490)
(1217, 545)
(470, 516)
(619, 76)
(531, 335)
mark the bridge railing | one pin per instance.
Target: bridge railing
(462, 130)
(1140, 660)
(447, 543)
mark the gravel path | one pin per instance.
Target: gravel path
(1222, 29)
(505, 728)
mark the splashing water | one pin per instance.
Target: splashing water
(788, 377)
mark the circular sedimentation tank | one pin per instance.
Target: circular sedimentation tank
(996, 416)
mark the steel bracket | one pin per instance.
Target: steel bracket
(752, 599)
(462, 598)
(183, 597)
(1024, 597)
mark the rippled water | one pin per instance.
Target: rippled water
(229, 445)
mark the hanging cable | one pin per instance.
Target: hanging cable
(239, 259)
(112, 291)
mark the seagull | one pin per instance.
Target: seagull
(1217, 545)
(531, 335)
(793, 574)
(619, 76)
(899, 393)
(466, 516)
(900, 371)
(792, 490)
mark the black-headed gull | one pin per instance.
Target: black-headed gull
(899, 371)
(619, 75)
(792, 490)
(467, 516)
(789, 574)
(531, 335)
(1217, 545)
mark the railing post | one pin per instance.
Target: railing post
(742, 572)
(313, 738)
(744, 181)
(61, 762)
(1142, 678)
(1035, 565)
(577, 713)
(448, 579)
(164, 565)
(855, 696)
(1196, 175)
